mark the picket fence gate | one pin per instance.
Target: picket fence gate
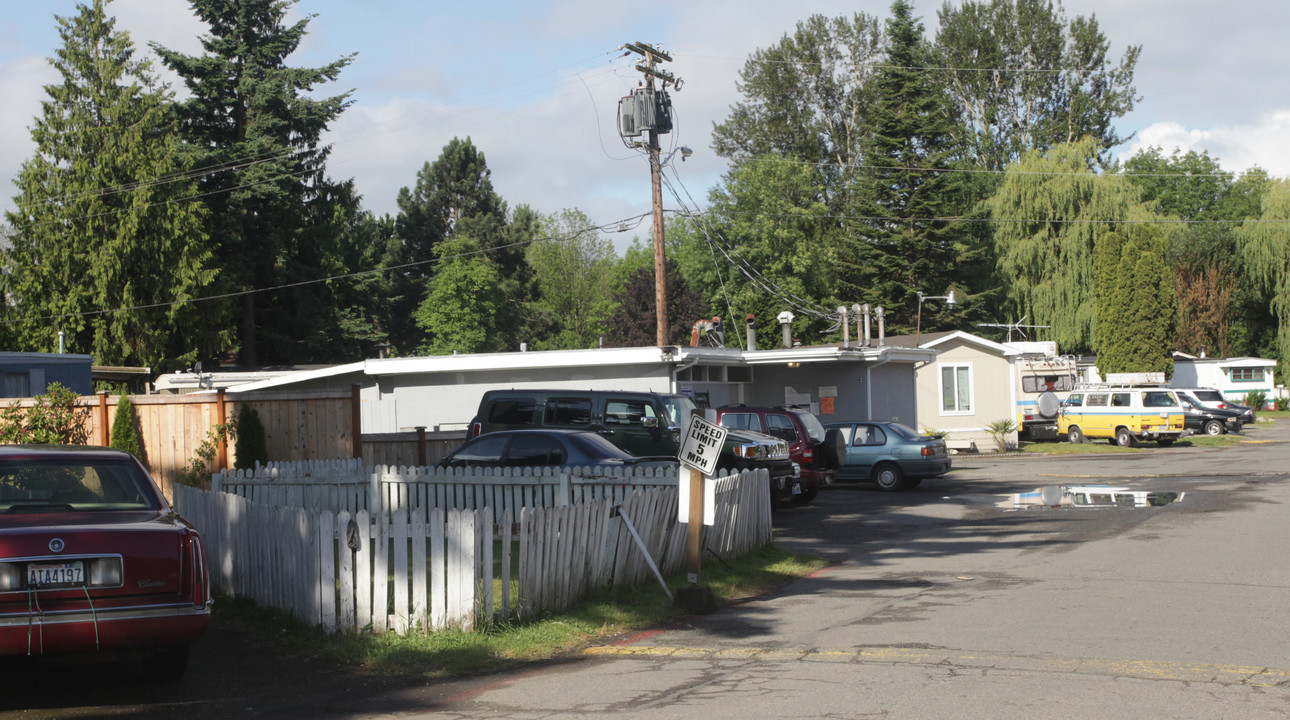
(433, 568)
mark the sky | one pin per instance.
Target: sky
(535, 85)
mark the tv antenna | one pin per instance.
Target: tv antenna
(1015, 326)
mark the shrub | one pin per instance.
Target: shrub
(1283, 403)
(198, 472)
(56, 418)
(125, 429)
(252, 446)
(1255, 399)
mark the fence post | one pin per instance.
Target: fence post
(104, 425)
(221, 413)
(421, 446)
(356, 419)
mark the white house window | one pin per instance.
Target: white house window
(956, 389)
(1247, 374)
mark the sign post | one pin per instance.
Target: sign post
(700, 449)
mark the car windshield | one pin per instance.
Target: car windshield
(73, 483)
(904, 431)
(814, 428)
(678, 408)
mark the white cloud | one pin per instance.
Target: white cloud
(1265, 143)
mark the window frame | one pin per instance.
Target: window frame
(957, 410)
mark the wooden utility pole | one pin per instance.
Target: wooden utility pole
(652, 54)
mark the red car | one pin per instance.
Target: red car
(94, 561)
(815, 451)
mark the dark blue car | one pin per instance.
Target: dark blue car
(552, 448)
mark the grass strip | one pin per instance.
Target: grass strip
(603, 615)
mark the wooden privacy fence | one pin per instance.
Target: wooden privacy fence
(348, 485)
(434, 568)
(298, 426)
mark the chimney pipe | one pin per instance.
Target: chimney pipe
(752, 332)
(786, 327)
(882, 326)
(846, 326)
(61, 337)
(868, 330)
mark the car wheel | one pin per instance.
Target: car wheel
(1074, 434)
(1214, 427)
(889, 477)
(1124, 438)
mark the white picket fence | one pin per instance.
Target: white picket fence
(346, 486)
(433, 568)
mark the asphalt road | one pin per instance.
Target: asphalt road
(947, 601)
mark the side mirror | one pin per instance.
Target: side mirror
(649, 422)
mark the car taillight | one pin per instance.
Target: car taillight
(808, 454)
(928, 452)
(195, 572)
(474, 431)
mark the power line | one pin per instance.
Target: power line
(636, 219)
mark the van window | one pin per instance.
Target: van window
(1097, 399)
(1158, 398)
(1208, 395)
(568, 411)
(627, 412)
(512, 411)
(1121, 399)
(1075, 401)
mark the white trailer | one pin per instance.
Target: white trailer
(1042, 380)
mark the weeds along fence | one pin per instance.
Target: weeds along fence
(423, 568)
(350, 486)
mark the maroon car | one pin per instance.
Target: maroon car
(94, 561)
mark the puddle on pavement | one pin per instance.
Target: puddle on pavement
(1054, 496)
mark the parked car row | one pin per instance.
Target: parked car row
(1127, 415)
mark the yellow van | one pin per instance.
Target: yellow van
(1123, 415)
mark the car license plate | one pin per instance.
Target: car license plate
(68, 573)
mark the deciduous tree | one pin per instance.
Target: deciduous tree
(1047, 216)
(1024, 77)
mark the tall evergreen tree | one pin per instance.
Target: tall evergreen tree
(107, 239)
(908, 242)
(255, 127)
(1134, 291)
